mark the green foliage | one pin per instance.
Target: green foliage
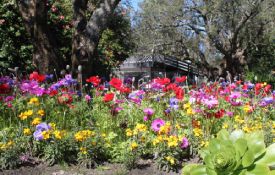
(235, 153)
(15, 45)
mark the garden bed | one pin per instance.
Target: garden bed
(48, 123)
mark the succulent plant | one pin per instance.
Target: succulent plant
(235, 154)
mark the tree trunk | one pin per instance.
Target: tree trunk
(34, 14)
(88, 33)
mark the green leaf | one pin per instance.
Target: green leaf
(223, 134)
(248, 158)
(187, 169)
(269, 157)
(198, 170)
(258, 170)
(255, 143)
(241, 146)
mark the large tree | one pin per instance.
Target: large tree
(90, 19)
(215, 34)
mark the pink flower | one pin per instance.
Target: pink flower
(157, 123)
(184, 143)
(145, 118)
(148, 111)
(87, 98)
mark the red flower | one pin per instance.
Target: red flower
(37, 77)
(220, 113)
(108, 97)
(267, 88)
(4, 88)
(245, 87)
(162, 81)
(65, 99)
(181, 79)
(116, 83)
(53, 93)
(125, 90)
(179, 93)
(171, 86)
(95, 80)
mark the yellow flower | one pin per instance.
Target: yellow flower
(247, 108)
(27, 131)
(83, 135)
(52, 125)
(58, 134)
(134, 146)
(247, 129)
(187, 105)
(204, 143)
(197, 132)
(34, 101)
(141, 127)
(25, 115)
(83, 150)
(172, 141)
(165, 129)
(46, 135)
(170, 159)
(129, 132)
(36, 121)
(41, 112)
(225, 126)
(190, 111)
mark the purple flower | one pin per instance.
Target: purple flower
(184, 143)
(235, 95)
(32, 87)
(9, 98)
(210, 103)
(148, 111)
(174, 103)
(157, 123)
(38, 135)
(167, 111)
(43, 127)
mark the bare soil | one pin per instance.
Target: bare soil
(105, 169)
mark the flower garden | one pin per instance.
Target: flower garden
(227, 128)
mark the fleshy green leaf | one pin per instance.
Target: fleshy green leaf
(241, 146)
(255, 143)
(258, 170)
(269, 157)
(223, 134)
(248, 158)
(199, 170)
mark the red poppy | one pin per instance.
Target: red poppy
(170, 87)
(125, 90)
(220, 113)
(108, 97)
(267, 88)
(95, 80)
(245, 87)
(179, 93)
(181, 79)
(116, 83)
(37, 77)
(162, 81)
(53, 93)
(4, 88)
(65, 99)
